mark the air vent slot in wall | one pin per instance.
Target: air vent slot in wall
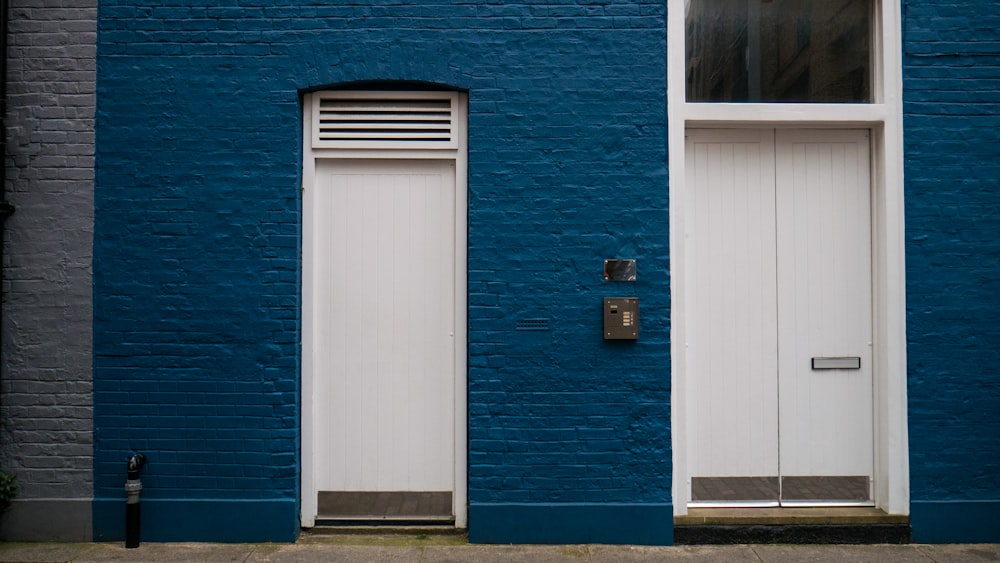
(532, 324)
(390, 120)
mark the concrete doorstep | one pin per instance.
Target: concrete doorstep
(444, 548)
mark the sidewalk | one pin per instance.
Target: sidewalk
(454, 548)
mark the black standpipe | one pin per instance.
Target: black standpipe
(132, 487)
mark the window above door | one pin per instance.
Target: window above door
(779, 51)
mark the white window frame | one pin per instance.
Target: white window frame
(884, 118)
(312, 155)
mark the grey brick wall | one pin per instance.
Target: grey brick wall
(46, 401)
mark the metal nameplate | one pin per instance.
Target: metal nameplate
(619, 270)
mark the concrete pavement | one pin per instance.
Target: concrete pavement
(430, 548)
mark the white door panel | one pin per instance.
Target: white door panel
(385, 324)
(824, 279)
(732, 346)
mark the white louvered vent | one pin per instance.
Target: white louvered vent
(390, 120)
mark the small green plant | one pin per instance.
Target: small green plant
(8, 489)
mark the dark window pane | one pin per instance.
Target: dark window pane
(779, 51)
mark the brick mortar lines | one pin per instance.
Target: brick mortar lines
(47, 411)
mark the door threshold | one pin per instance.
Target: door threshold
(821, 524)
(780, 515)
(356, 528)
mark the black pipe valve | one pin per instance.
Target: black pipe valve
(135, 464)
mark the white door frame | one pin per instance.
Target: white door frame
(884, 118)
(311, 157)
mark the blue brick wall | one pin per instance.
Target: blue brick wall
(196, 282)
(952, 151)
(196, 246)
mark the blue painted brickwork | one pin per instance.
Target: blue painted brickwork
(952, 151)
(197, 236)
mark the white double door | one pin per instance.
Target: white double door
(779, 311)
(385, 330)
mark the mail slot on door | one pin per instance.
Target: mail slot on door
(837, 363)
(621, 318)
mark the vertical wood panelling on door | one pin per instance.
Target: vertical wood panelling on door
(824, 284)
(384, 378)
(732, 359)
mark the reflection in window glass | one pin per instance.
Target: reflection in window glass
(779, 50)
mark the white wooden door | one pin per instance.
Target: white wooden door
(385, 326)
(778, 243)
(824, 310)
(731, 308)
